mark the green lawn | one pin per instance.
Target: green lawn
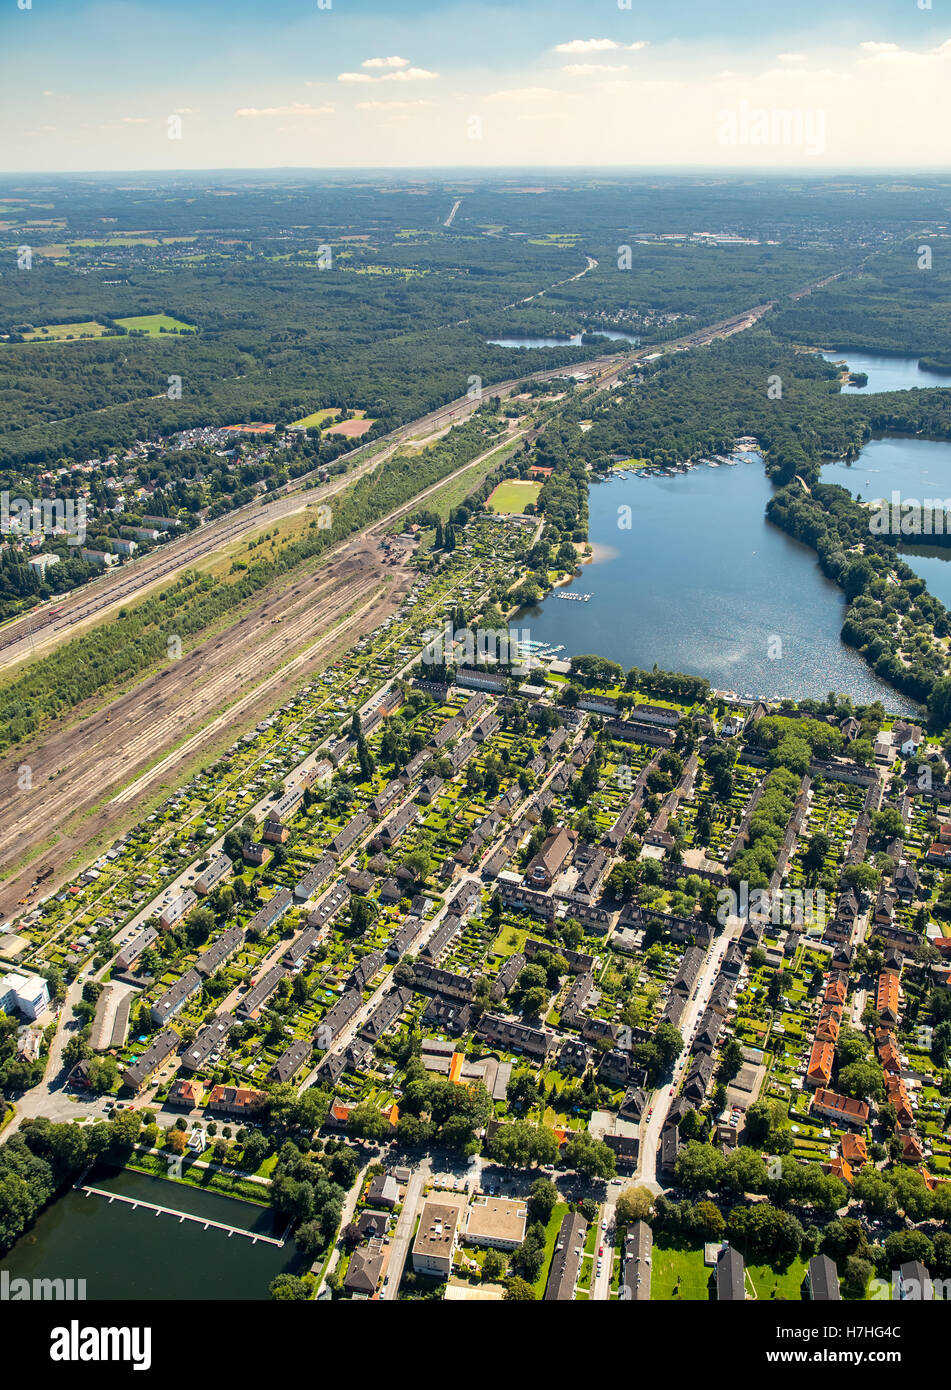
(59, 332)
(680, 1274)
(783, 1284)
(154, 323)
(551, 1235)
(317, 417)
(513, 496)
(508, 942)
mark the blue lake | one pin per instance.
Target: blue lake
(886, 371)
(918, 469)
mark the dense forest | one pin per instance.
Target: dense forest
(310, 294)
(899, 302)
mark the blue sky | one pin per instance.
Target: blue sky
(262, 83)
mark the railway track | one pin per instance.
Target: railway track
(140, 725)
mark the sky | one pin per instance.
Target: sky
(112, 85)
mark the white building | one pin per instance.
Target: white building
(28, 994)
(41, 563)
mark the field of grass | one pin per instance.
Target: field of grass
(680, 1274)
(154, 323)
(785, 1284)
(508, 941)
(513, 496)
(559, 1211)
(317, 417)
(59, 332)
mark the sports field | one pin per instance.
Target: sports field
(351, 429)
(513, 496)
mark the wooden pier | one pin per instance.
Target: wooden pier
(182, 1215)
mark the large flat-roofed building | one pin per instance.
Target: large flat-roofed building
(25, 994)
(496, 1221)
(436, 1238)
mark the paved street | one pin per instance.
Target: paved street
(663, 1098)
(601, 1287)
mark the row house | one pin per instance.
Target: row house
(442, 938)
(385, 1014)
(291, 1060)
(169, 1003)
(578, 961)
(365, 969)
(844, 1110)
(221, 950)
(404, 938)
(315, 877)
(432, 978)
(515, 1036)
(255, 999)
(212, 1038)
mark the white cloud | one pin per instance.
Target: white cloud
(400, 75)
(410, 75)
(589, 69)
(186, 110)
(790, 57)
(135, 120)
(523, 94)
(597, 46)
(297, 108)
(385, 63)
(586, 46)
(879, 47)
(391, 105)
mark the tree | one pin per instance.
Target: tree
(493, 1266)
(634, 1204)
(855, 1276)
(176, 1141)
(102, 1074)
(862, 1080)
(287, 1288)
(765, 1232)
(518, 1291)
(902, 1246)
(707, 1221)
(310, 1238)
(842, 1238)
(366, 1121)
(590, 1156)
(864, 878)
(542, 1198)
(699, 1167)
